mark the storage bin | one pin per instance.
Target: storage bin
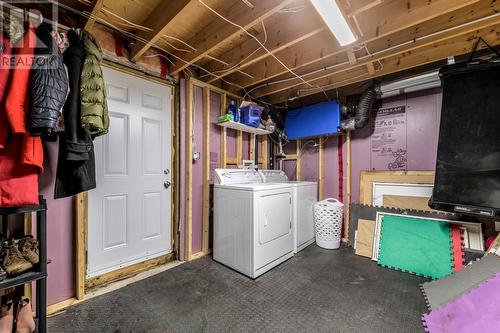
(250, 115)
(328, 223)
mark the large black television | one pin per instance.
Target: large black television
(468, 159)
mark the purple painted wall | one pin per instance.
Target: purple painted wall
(423, 114)
(182, 174)
(60, 233)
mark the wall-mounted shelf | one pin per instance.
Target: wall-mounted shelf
(244, 128)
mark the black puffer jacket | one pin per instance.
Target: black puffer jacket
(76, 163)
(48, 84)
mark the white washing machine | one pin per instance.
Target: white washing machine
(252, 222)
(304, 196)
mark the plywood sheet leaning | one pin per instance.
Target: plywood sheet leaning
(418, 246)
(443, 291)
(475, 311)
(406, 202)
(364, 238)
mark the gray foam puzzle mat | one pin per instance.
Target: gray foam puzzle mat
(441, 292)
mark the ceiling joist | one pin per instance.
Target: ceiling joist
(453, 46)
(94, 10)
(483, 26)
(159, 21)
(221, 31)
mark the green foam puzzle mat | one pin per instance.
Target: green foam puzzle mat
(416, 246)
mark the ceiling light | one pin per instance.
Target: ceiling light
(336, 22)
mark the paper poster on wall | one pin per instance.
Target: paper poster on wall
(388, 141)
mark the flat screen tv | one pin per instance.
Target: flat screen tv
(468, 160)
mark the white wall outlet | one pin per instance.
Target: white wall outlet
(497, 226)
(196, 156)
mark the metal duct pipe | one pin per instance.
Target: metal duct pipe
(363, 111)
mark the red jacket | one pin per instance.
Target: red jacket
(21, 156)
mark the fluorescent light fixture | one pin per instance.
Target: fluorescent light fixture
(336, 22)
(412, 84)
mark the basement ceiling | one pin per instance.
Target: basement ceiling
(297, 56)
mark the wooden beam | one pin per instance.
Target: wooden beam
(252, 146)
(284, 33)
(357, 7)
(223, 135)
(189, 172)
(420, 54)
(206, 168)
(218, 33)
(306, 56)
(81, 212)
(94, 10)
(159, 22)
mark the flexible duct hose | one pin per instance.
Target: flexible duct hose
(363, 111)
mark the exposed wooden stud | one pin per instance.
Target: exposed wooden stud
(370, 68)
(217, 34)
(239, 147)
(206, 168)
(321, 171)
(291, 157)
(264, 151)
(223, 135)
(298, 162)
(231, 160)
(188, 228)
(348, 184)
(159, 21)
(252, 146)
(81, 243)
(94, 10)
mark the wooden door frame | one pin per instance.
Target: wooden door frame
(81, 206)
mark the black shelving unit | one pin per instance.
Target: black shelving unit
(39, 275)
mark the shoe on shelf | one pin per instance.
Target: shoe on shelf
(3, 274)
(28, 246)
(7, 318)
(24, 317)
(13, 261)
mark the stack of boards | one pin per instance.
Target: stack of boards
(422, 243)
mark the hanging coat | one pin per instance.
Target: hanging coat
(76, 162)
(21, 156)
(48, 85)
(94, 114)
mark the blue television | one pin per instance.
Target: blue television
(313, 120)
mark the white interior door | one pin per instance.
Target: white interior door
(129, 218)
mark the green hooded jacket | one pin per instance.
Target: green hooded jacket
(94, 112)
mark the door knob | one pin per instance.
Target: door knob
(167, 184)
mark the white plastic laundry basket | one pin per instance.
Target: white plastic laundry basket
(328, 223)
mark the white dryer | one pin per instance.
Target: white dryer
(252, 222)
(304, 196)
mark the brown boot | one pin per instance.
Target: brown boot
(28, 246)
(24, 317)
(7, 318)
(13, 261)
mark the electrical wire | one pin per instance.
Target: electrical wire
(262, 45)
(127, 22)
(131, 35)
(180, 41)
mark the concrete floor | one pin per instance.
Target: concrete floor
(315, 291)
